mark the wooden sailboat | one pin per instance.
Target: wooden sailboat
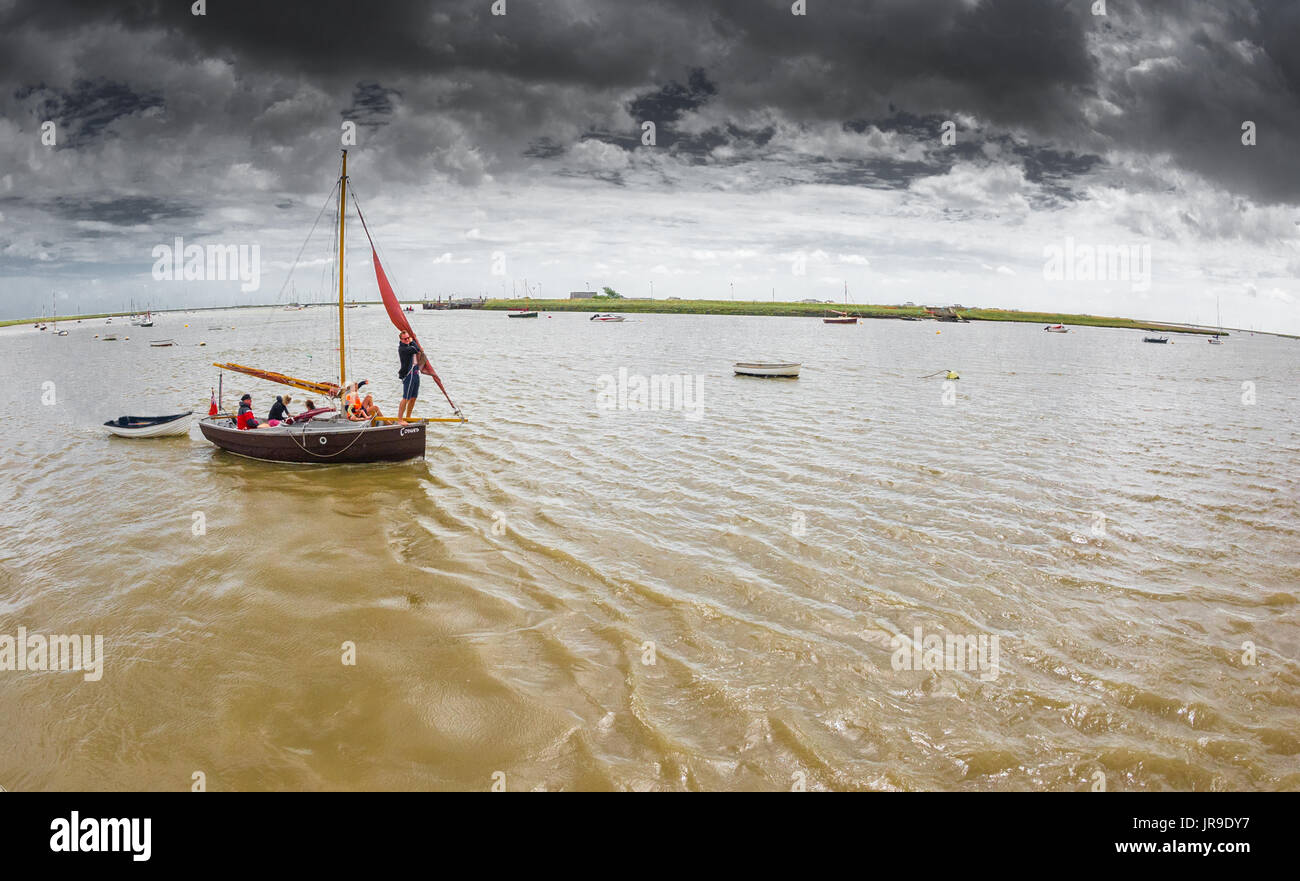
(837, 317)
(336, 440)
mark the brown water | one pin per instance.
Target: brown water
(768, 550)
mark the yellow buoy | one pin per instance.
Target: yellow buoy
(938, 331)
(952, 374)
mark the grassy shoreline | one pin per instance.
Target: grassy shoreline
(743, 307)
(866, 311)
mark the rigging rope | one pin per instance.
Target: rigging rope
(428, 362)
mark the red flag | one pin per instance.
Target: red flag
(212, 407)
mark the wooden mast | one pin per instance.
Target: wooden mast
(343, 210)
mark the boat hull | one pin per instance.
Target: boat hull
(319, 443)
(521, 315)
(166, 427)
(773, 370)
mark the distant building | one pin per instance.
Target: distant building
(810, 301)
(581, 295)
(909, 303)
(674, 298)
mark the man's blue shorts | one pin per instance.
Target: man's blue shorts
(411, 385)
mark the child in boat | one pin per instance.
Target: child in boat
(366, 411)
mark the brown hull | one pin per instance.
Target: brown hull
(319, 443)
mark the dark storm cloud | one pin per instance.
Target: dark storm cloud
(669, 102)
(86, 110)
(124, 211)
(1167, 75)
(371, 104)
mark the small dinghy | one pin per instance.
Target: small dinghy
(150, 426)
(758, 368)
(1057, 328)
(522, 313)
(1155, 339)
(840, 318)
(158, 344)
(607, 318)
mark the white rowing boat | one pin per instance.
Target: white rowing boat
(150, 426)
(751, 368)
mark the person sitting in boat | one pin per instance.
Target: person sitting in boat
(280, 410)
(352, 396)
(245, 419)
(366, 411)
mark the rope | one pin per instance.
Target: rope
(303, 446)
(315, 223)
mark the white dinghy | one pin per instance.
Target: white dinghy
(754, 368)
(150, 426)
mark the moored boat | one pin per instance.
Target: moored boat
(1217, 339)
(160, 344)
(1056, 328)
(769, 369)
(1155, 339)
(521, 313)
(607, 317)
(150, 426)
(840, 318)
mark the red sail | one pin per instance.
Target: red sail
(398, 317)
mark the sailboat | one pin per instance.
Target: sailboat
(838, 317)
(325, 440)
(1217, 339)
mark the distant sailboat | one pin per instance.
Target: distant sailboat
(1217, 339)
(841, 317)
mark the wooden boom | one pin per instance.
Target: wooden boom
(328, 389)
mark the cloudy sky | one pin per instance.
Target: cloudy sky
(793, 153)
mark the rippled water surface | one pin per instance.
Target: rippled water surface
(1116, 514)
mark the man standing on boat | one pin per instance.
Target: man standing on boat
(408, 356)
